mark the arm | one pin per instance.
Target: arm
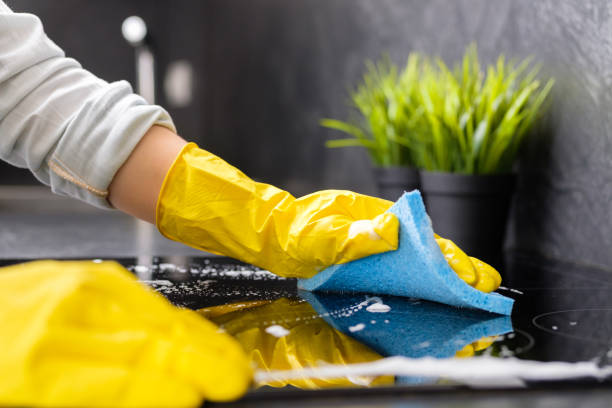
(136, 185)
(71, 129)
(98, 142)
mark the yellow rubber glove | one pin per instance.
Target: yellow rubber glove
(208, 204)
(473, 271)
(309, 341)
(87, 334)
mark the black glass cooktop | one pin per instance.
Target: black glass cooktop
(559, 333)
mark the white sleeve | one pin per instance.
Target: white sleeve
(70, 128)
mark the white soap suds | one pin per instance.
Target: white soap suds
(372, 321)
(482, 369)
(159, 282)
(363, 226)
(378, 308)
(141, 269)
(422, 345)
(167, 267)
(363, 381)
(356, 327)
(232, 274)
(247, 274)
(511, 290)
(504, 351)
(277, 331)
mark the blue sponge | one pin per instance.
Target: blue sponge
(416, 269)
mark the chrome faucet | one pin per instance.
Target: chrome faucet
(134, 30)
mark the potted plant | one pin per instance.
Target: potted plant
(474, 125)
(385, 101)
(464, 134)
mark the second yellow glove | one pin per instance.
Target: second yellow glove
(88, 334)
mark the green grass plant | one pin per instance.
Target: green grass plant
(465, 120)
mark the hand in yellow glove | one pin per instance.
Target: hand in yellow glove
(210, 205)
(87, 334)
(309, 341)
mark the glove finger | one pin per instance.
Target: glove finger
(470, 349)
(466, 351)
(458, 261)
(488, 278)
(484, 343)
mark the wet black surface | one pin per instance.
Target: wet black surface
(562, 313)
(565, 308)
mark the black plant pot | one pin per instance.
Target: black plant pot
(470, 210)
(393, 181)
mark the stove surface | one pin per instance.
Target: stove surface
(301, 340)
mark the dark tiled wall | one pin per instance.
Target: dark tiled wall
(278, 66)
(268, 70)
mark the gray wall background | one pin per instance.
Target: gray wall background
(268, 70)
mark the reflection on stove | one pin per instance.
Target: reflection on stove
(300, 339)
(563, 314)
(322, 330)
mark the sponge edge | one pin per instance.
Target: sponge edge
(416, 269)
